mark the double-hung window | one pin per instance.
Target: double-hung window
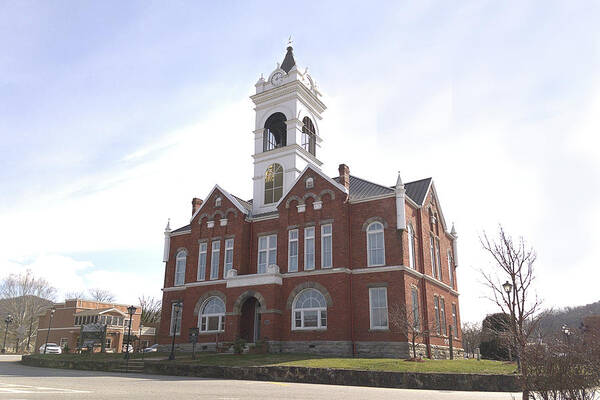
(309, 248)
(454, 321)
(228, 256)
(436, 307)
(443, 316)
(202, 262)
(415, 310)
(267, 252)
(378, 307)
(175, 320)
(438, 259)
(450, 272)
(214, 259)
(293, 250)
(375, 245)
(432, 253)
(326, 246)
(180, 261)
(309, 310)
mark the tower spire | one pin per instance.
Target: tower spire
(288, 61)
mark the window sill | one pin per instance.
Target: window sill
(210, 332)
(375, 265)
(379, 329)
(309, 329)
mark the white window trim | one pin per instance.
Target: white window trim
(202, 315)
(267, 250)
(202, 268)
(450, 273)
(229, 243)
(302, 310)
(382, 230)
(437, 316)
(432, 255)
(411, 247)
(438, 257)
(178, 322)
(443, 320)
(213, 266)
(181, 255)
(306, 253)
(387, 326)
(290, 241)
(323, 237)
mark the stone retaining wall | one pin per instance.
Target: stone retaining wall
(406, 380)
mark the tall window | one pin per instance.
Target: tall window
(436, 307)
(309, 310)
(309, 248)
(273, 183)
(378, 308)
(450, 272)
(274, 135)
(375, 245)
(175, 320)
(308, 135)
(267, 252)
(180, 261)
(202, 262)
(326, 246)
(415, 309)
(411, 247)
(443, 316)
(212, 316)
(438, 259)
(214, 259)
(454, 321)
(293, 250)
(228, 256)
(432, 253)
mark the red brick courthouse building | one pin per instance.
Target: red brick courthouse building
(312, 263)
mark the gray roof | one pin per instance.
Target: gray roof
(246, 204)
(186, 228)
(362, 189)
(288, 61)
(417, 190)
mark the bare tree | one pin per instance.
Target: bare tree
(75, 295)
(511, 287)
(408, 322)
(151, 308)
(471, 336)
(102, 295)
(24, 296)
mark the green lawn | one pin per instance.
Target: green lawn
(311, 360)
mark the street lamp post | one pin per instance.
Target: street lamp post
(52, 311)
(140, 341)
(130, 311)
(8, 320)
(177, 309)
(508, 288)
(567, 332)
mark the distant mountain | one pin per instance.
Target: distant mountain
(551, 323)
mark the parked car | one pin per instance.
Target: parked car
(51, 348)
(126, 347)
(151, 349)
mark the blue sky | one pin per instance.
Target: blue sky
(113, 115)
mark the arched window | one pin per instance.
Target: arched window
(375, 245)
(274, 135)
(180, 262)
(308, 135)
(218, 201)
(273, 183)
(411, 247)
(309, 310)
(212, 315)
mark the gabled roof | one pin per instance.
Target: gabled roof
(100, 311)
(362, 189)
(186, 228)
(417, 190)
(246, 203)
(288, 61)
(231, 198)
(321, 174)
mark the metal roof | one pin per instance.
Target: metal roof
(288, 61)
(362, 189)
(417, 190)
(186, 228)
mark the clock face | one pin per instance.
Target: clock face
(277, 78)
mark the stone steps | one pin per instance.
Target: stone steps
(134, 366)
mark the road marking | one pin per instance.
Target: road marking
(6, 388)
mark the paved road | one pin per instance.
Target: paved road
(22, 382)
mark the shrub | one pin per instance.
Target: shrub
(238, 346)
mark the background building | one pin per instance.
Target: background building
(72, 314)
(311, 263)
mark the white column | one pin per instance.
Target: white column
(167, 241)
(400, 204)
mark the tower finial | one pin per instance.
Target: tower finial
(290, 41)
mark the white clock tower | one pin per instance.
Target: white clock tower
(286, 135)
